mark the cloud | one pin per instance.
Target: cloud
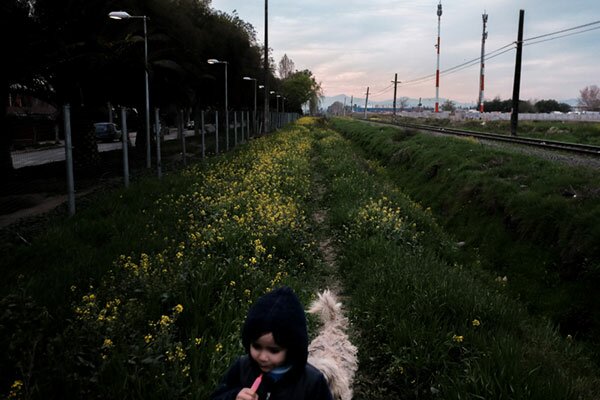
(352, 44)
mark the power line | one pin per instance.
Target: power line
(382, 91)
(466, 63)
(562, 31)
(562, 36)
(498, 52)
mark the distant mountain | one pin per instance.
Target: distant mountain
(360, 102)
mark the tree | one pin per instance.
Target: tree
(82, 57)
(589, 98)
(548, 106)
(301, 87)
(449, 106)
(286, 67)
(337, 108)
(498, 105)
(403, 102)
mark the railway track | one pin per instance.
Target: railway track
(576, 148)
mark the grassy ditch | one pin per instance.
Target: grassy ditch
(143, 292)
(430, 326)
(530, 220)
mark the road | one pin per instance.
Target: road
(29, 158)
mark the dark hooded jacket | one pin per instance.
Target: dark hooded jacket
(280, 313)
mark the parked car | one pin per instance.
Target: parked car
(107, 131)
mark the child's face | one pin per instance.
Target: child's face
(267, 353)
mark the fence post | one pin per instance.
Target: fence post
(216, 132)
(202, 132)
(235, 128)
(158, 129)
(125, 142)
(182, 137)
(247, 125)
(69, 158)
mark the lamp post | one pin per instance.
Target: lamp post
(214, 61)
(266, 68)
(126, 15)
(247, 78)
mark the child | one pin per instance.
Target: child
(276, 341)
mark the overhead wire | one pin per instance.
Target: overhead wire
(469, 63)
(559, 37)
(496, 53)
(501, 50)
(562, 31)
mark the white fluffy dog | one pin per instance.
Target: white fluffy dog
(331, 351)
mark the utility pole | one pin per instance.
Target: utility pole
(266, 67)
(482, 69)
(366, 102)
(344, 109)
(437, 71)
(395, 82)
(514, 118)
(351, 105)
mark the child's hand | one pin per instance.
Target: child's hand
(246, 394)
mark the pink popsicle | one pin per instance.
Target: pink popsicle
(256, 383)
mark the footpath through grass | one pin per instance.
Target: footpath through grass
(153, 306)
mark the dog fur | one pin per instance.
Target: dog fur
(331, 351)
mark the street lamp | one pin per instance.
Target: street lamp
(126, 15)
(215, 61)
(247, 78)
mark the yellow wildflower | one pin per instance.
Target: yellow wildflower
(148, 338)
(476, 322)
(15, 389)
(458, 338)
(178, 309)
(165, 320)
(218, 347)
(107, 343)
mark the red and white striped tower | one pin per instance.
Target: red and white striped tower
(437, 72)
(482, 70)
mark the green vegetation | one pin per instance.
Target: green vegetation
(142, 293)
(574, 132)
(151, 305)
(431, 327)
(531, 220)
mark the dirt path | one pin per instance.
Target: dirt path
(326, 241)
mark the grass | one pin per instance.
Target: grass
(529, 219)
(431, 326)
(142, 293)
(562, 131)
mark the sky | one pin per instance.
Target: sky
(351, 44)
